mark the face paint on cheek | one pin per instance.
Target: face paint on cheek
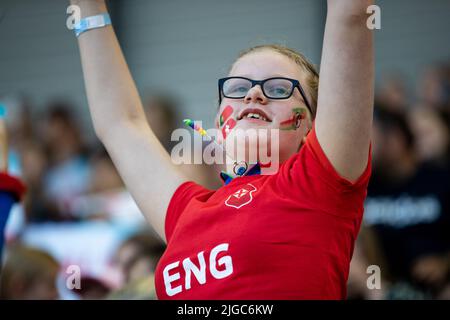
(229, 125)
(226, 113)
(293, 123)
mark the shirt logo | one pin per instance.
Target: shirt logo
(219, 267)
(241, 197)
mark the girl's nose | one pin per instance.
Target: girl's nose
(255, 94)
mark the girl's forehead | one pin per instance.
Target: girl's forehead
(265, 64)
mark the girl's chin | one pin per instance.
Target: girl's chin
(249, 151)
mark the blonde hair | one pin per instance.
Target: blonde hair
(27, 265)
(312, 76)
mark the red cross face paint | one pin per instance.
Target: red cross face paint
(228, 126)
(226, 113)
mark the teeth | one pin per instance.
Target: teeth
(256, 116)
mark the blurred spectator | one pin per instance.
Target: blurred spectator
(433, 88)
(408, 208)
(393, 94)
(106, 197)
(432, 136)
(28, 274)
(161, 113)
(38, 206)
(367, 252)
(20, 123)
(137, 258)
(138, 255)
(68, 173)
(104, 176)
(92, 289)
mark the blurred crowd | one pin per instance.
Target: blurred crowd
(77, 211)
(406, 227)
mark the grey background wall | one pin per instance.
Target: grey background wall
(188, 45)
(184, 46)
(414, 34)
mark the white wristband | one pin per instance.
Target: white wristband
(92, 22)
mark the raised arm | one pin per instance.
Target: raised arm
(346, 87)
(120, 122)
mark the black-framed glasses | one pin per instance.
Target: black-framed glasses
(276, 88)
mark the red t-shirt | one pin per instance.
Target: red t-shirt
(284, 236)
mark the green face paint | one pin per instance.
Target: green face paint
(293, 123)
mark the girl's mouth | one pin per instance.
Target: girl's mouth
(254, 115)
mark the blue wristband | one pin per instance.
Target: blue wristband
(2, 111)
(92, 22)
